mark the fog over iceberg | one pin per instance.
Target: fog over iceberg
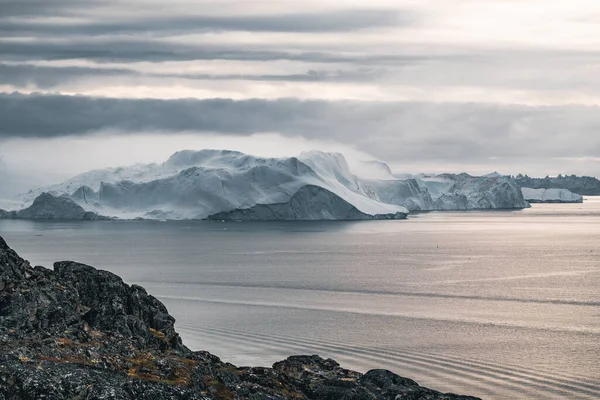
(473, 86)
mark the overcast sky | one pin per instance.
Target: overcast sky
(425, 85)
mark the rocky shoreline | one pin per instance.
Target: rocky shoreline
(76, 332)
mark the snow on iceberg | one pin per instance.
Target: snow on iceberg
(551, 196)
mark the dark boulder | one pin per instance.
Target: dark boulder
(118, 307)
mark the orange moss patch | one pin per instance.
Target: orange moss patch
(181, 376)
(68, 359)
(158, 334)
(66, 342)
(188, 361)
(220, 390)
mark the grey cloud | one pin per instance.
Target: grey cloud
(360, 75)
(332, 21)
(38, 8)
(390, 130)
(148, 50)
(49, 77)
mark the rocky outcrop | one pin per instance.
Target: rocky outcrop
(309, 203)
(76, 332)
(49, 206)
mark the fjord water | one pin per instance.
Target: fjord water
(499, 304)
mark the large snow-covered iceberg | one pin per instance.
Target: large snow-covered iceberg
(199, 184)
(229, 185)
(551, 196)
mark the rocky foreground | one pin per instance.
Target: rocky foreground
(80, 333)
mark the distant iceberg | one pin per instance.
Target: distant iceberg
(551, 196)
(229, 185)
(451, 192)
(199, 184)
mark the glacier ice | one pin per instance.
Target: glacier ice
(451, 192)
(308, 203)
(232, 185)
(551, 196)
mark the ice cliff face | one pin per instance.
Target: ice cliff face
(223, 184)
(484, 192)
(409, 193)
(451, 192)
(551, 196)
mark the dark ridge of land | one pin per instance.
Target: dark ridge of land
(583, 185)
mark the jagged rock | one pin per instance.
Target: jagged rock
(116, 306)
(76, 332)
(325, 379)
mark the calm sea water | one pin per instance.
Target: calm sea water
(502, 305)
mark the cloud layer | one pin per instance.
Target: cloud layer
(389, 130)
(466, 81)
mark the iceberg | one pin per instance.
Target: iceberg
(199, 184)
(551, 196)
(230, 185)
(451, 192)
